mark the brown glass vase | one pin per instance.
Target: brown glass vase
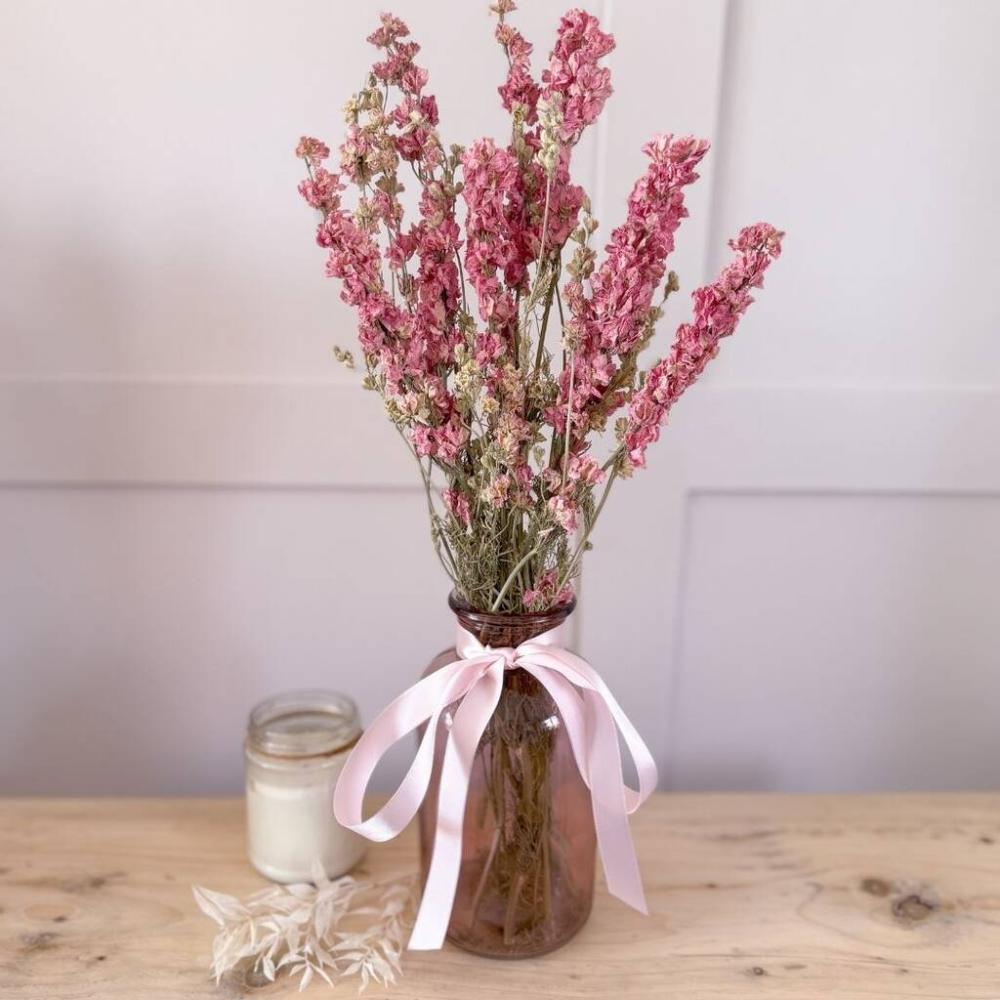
(526, 883)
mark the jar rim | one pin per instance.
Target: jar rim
(303, 724)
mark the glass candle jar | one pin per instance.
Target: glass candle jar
(295, 749)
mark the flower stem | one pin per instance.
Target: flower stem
(578, 552)
(512, 576)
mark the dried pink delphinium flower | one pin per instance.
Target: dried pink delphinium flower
(717, 309)
(407, 330)
(501, 344)
(494, 259)
(575, 74)
(519, 90)
(612, 322)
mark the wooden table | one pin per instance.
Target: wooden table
(751, 896)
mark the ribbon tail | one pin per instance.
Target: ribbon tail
(583, 675)
(607, 796)
(591, 726)
(467, 727)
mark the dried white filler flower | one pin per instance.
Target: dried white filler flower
(332, 929)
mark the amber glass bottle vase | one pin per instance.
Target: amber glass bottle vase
(526, 883)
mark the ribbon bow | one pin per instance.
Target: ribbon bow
(474, 681)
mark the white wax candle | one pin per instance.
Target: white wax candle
(290, 822)
(296, 747)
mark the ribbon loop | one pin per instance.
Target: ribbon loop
(592, 718)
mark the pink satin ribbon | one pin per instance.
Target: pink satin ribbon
(592, 719)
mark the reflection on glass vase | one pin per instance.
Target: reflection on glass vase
(526, 883)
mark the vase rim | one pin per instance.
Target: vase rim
(461, 607)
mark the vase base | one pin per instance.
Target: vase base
(490, 946)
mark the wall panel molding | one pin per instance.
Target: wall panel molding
(837, 439)
(827, 621)
(197, 433)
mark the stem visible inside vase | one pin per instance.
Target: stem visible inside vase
(516, 751)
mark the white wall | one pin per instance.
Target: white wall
(197, 508)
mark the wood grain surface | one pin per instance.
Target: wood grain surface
(750, 895)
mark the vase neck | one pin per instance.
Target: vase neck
(497, 630)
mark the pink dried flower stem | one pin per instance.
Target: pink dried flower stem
(519, 90)
(718, 308)
(574, 74)
(575, 92)
(407, 354)
(717, 311)
(609, 324)
(574, 82)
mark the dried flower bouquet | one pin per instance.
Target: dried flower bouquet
(507, 354)
(503, 352)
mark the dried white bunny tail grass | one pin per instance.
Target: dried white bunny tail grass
(332, 929)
